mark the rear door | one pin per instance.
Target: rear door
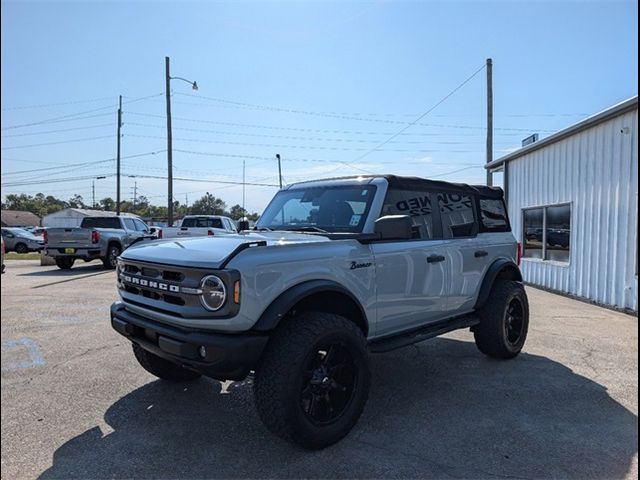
(472, 227)
(412, 276)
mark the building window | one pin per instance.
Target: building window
(547, 233)
(533, 232)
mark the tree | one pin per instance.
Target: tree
(237, 212)
(77, 202)
(208, 205)
(108, 204)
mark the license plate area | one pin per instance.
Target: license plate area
(69, 250)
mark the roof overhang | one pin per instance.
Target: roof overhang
(611, 112)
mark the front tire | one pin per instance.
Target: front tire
(21, 248)
(504, 321)
(111, 260)
(65, 263)
(162, 368)
(313, 380)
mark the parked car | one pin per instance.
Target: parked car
(101, 238)
(20, 241)
(334, 270)
(199, 226)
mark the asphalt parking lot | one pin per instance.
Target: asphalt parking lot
(75, 404)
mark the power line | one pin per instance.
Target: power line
(58, 143)
(71, 102)
(58, 131)
(411, 124)
(348, 114)
(294, 137)
(79, 164)
(304, 147)
(71, 115)
(436, 125)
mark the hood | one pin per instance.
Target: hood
(209, 252)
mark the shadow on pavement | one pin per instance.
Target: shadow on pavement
(440, 410)
(79, 268)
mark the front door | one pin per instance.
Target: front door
(412, 276)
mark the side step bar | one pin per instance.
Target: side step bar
(429, 331)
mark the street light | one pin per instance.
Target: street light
(194, 86)
(93, 188)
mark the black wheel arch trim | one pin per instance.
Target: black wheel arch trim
(278, 309)
(494, 270)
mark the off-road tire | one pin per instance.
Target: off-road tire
(280, 378)
(110, 261)
(65, 263)
(21, 248)
(492, 334)
(162, 368)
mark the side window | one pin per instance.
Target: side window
(140, 226)
(128, 223)
(493, 215)
(456, 211)
(416, 204)
(229, 224)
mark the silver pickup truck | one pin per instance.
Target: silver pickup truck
(335, 270)
(200, 226)
(101, 238)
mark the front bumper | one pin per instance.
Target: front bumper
(228, 356)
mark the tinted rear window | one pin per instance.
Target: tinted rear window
(202, 222)
(101, 222)
(493, 215)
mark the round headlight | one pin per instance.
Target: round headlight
(213, 294)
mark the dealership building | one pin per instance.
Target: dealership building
(573, 202)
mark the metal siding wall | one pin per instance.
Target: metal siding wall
(597, 172)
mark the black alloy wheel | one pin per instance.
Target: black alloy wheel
(329, 384)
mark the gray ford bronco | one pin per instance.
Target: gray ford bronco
(333, 271)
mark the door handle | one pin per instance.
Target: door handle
(480, 253)
(435, 258)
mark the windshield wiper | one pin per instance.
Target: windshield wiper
(306, 229)
(262, 229)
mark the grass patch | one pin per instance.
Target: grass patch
(22, 256)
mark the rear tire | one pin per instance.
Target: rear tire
(65, 263)
(21, 248)
(313, 379)
(162, 368)
(504, 321)
(111, 260)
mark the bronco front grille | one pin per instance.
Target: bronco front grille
(159, 287)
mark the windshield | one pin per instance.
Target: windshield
(19, 232)
(330, 209)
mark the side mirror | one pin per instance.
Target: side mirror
(243, 225)
(394, 227)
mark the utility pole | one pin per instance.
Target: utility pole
(279, 170)
(118, 158)
(489, 119)
(169, 144)
(93, 192)
(244, 166)
(135, 194)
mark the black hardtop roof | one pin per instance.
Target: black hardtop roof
(408, 183)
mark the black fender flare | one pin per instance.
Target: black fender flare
(496, 268)
(276, 311)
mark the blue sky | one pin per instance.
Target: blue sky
(320, 83)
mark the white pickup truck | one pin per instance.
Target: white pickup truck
(199, 226)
